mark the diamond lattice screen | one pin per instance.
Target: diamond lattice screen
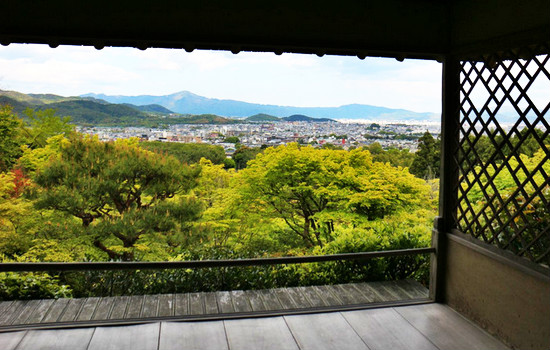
(504, 151)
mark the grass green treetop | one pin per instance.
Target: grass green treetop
(312, 189)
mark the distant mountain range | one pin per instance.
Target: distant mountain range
(188, 108)
(185, 102)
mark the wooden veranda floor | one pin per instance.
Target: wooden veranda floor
(24, 314)
(416, 327)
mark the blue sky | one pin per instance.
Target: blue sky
(289, 79)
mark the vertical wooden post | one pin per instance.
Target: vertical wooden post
(448, 189)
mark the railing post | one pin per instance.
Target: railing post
(448, 189)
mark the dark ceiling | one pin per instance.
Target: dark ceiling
(396, 28)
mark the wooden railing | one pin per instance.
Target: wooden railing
(143, 265)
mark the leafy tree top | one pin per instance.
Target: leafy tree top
(308, 187)
(427, 158)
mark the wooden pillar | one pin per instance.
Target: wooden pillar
(448, 190)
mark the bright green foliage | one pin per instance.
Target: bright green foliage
(29, 285)
(41, 125)
(213, 179)
(426, 159)
(394, 156)
(15, 213)
(312, 189)
(406, 230)
(374, 148)
(10, 138)
(504, 182)
(16, 135)
(92, 201)
(215, 190)
(30, 234)
(37, 158)
(403, 231)
(7, 186)
(118, 191)
(188, 153)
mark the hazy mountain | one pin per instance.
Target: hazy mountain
(188, 103)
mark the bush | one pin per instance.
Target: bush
(93, 283)
(31, 285)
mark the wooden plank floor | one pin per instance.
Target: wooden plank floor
(31, 313)
(415, 327)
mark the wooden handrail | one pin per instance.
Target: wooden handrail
(144, 265)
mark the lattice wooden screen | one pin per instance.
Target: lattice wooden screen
(504, 151)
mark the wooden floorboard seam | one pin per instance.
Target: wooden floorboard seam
(70, 305)
(20, 340)
(159, 337)
(92, 337)
(58, 306)
(225, 334)
(292, 333)
(278, 299)
(354, 330)
(45, 312)
(419, 331)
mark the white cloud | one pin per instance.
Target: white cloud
(288, 79)
(60, 76)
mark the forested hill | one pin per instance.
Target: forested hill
(96, 112)
(261, 117)
(89, 111)
(82, 112)
(154, 108)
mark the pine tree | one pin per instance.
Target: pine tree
(120, 192)
(426, 159)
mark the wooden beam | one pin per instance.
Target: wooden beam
(448, 190)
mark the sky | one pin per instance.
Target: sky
(289, 79)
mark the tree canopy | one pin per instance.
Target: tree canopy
(10, 138)
(311, 189)
(117, 190)
(187, 153)
(243, 155)
(65, 196)
(427, 158)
